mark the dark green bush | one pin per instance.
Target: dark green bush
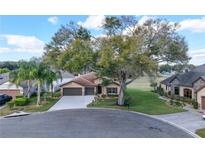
(19, 96)
(21, 101)
(195, 104)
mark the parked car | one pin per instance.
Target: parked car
(203, 116)
(4, 98)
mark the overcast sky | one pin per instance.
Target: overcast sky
(22, 37)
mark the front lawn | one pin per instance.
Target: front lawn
(201, 132)
(140, 101)
(32, 107)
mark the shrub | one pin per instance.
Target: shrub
(195, 104)
(160, 91)
(11, 104)
(21, 101)
(19, 96)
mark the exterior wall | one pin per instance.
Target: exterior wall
(199, 95)
(72, 85)
(181, 91)
(165, 89)
(199, 83)
(12, 93)
(104, 89)
(174, 83)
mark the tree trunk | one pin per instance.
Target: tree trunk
(29, 89)
(121, 100)
(39, 93)
(52, 89)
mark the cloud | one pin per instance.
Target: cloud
(198, 56)
(21, 43)
(93, 22)
(143, 19)
(4, 49)
(53, 20)
(193, 25)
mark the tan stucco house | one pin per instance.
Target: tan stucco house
(189, 85)
(88, 84)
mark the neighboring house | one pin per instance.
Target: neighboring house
(189, 85)
(4, 78)
(65, 77)
(88, 84)
(11, 89)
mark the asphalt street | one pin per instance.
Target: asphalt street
(88, 123)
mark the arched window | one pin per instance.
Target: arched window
(187, 93)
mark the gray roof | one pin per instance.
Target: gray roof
(65, 74)
(187, 79)
(4, 78)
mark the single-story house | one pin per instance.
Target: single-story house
(89, 84)
(190, 85)
(11, 89)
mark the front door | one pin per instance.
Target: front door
(99, 89)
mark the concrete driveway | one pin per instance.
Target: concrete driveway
(190, 120)
(72, 102)
(86, 123)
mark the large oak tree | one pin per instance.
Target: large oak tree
(127, 50)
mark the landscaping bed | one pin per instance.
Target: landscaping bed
(140, 101)
(30, 106)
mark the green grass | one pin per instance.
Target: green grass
(32, 107)
(143, 83)
(201, 132)
(141, 101)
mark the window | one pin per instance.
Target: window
(176, 90)
(111, 91)
(188, 93)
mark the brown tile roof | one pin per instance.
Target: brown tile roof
(82, 81)
(85, 79)
(89, 76)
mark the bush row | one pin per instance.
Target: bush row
(19, 101)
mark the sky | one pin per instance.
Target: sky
(23, 37)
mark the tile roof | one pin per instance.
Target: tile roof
(85, 79)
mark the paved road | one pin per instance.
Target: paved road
(72, 102)
(191, 120)
(88, 123)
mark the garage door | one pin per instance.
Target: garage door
(203, 102)
(72, 91)
(89, 91)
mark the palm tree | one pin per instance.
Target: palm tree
(51, 77)
(22, 74)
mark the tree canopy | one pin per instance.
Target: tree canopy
(127, 50)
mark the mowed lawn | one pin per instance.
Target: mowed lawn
(143, 83)
(201, 132)
(140, 101)
(32, 107)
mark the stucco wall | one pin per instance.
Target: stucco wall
(181, 91)
(165, 89)
(199, 95)
(174, 83)
(104, 89)
(199, 83)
